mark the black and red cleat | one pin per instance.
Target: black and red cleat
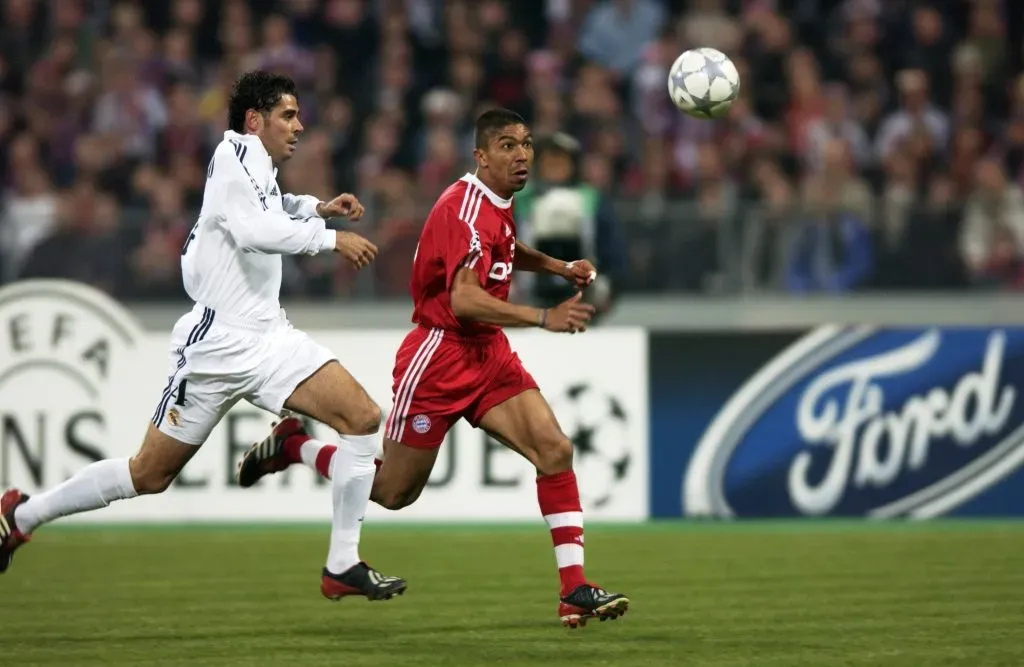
(361, 579)
(586, 602)
(10, 537)
(267, 456)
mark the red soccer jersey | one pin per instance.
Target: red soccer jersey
(469, 226)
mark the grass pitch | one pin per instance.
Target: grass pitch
(775, 594)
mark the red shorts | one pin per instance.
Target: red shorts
(441, 377)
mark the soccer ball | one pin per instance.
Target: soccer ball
(598, 426)
(703, 83)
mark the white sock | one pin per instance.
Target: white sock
(94, 486)
(352, 476)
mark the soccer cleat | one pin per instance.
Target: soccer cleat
(267, 456)
(360, 579)
(586, 602)
(10, 537)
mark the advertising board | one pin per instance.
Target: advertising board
(857, 421)
(79, 379)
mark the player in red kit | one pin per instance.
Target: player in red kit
(457, 363)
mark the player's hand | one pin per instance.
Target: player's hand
(580, 273)
(344, 205)
(355, 249)
(570, 316)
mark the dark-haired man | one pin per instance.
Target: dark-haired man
(237, 344)
(457, 363)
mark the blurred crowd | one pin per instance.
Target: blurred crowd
(877, 144)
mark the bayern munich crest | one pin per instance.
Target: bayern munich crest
(421, 424)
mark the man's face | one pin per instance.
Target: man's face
(989, 177)
(835, 107)
(279, 130)
(555, 167)
(508, 157)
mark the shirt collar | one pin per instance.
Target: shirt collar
(253, 142)
(495, 199)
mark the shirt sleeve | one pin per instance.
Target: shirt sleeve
(257, 229)
(300, 206)
(465, 245)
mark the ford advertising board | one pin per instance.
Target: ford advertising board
(838, 421)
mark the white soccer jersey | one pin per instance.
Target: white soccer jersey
(231, 259)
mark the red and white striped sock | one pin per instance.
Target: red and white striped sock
(559, 500)
(301, 448)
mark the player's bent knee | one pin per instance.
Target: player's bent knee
(150, 479)
(394, 494)
(158, 462)
(361, 419)
(397, 499)
(553, 454)
(369, 418)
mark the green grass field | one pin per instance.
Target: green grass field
(786, 594)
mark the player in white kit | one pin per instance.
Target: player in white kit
(236, 343)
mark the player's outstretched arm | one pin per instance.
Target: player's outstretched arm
(307, 206)
(277, 233)
(534, 261)
(470, 301)
(343, 206)
(581, 272)
(254, 227)
(357, 250)
(301, 206)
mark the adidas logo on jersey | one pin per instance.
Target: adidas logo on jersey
(274, 192)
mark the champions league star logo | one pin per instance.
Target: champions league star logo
(598, 426)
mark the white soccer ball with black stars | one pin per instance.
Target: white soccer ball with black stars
(703, 83)
(598, 426)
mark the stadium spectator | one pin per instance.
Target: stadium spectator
(833, 251)
(614, 32)
(124, 98)
(992, 240)
(562, 215)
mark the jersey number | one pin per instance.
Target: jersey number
(188, 239)
(192, 232)
(180, 399)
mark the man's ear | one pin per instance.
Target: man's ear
(254, 121)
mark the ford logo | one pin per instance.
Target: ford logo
(858, 421)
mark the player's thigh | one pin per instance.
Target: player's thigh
(434, 383)
(525, 423)
(307, 378)
(186, 414)
(332, 396)
(193, 405)
(203, 381)
(402, 475)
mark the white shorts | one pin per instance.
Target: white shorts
(218, 360)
